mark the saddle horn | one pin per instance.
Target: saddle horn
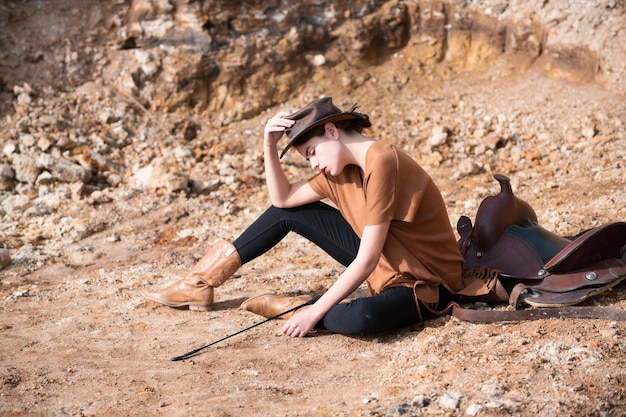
(498, 212)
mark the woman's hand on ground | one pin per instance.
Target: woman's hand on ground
(301, 323)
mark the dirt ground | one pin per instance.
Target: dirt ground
(78, 339)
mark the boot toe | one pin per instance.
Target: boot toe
(270, 305)
(256, 303)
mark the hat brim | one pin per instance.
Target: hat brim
(329, 119)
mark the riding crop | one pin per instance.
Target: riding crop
(196, 351)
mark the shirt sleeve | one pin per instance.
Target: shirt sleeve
(380, 187)
(320, 185)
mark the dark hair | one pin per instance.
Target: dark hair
(316, 131)
(356, 125)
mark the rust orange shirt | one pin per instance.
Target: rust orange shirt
(421, 249)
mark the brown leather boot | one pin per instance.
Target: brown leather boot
(196, 289)
(269, 305)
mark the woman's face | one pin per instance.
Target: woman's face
(324, 152)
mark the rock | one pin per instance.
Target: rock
(65, 142)
(161, 173)
(399, 410)
(491, 140)
(147, 62)
(26, 169)
(438, 136)
(99, 197)
(5, 258)
(6, 177)
(44, 143)
(27, 141)
(80, 256)
(480, 132)
(421, 401)
(44, 178)
(24, 99)
(451, 400)
(20, 293)
(473, 409)
(467, 167)
(56, 198)
(588, 132)
(63, 170)
(15, 202)
(370, 398)
(316, 60)
(9, 149)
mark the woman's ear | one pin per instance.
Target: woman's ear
(332, 130)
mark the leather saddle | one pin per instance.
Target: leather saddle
(536, 267)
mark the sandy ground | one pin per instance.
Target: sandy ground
(78, 339)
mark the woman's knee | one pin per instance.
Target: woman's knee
(393, 309)
(350, 319)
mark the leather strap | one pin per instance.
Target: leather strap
(572, 288)
(578, 312)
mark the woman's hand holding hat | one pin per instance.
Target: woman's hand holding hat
(275, 128)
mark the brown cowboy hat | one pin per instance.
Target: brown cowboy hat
(318, 113)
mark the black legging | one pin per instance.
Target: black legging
(326, 227)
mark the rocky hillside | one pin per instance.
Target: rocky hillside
(112, 98)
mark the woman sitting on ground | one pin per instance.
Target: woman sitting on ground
(390, 229)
